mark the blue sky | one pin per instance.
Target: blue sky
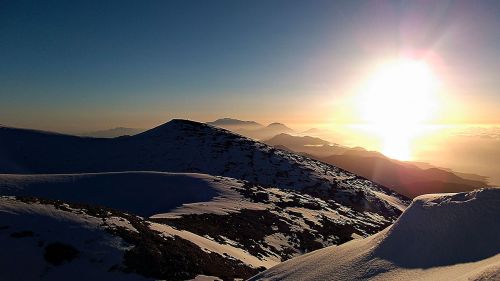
(82, 65)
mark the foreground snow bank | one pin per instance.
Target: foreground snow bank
(439, 237)
(52, 240)
(445, 229)
(43, 242)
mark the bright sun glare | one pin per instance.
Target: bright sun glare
(397, 99)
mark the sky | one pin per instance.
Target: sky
(83, 65)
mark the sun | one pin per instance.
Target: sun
(399, 92)
(396, 100)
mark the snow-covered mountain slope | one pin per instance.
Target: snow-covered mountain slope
(42, 242)
(275, 225)
(51, 240)
(279, 224)
(187, 146)
(439, 237)
(278, 204)
(141, 193)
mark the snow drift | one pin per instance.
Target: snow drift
(439, 237)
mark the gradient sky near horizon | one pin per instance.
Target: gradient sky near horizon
(85, 65)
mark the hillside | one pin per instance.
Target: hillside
(60, 241)
(240, 223)
(405, 178)
(187, 146)
(401, 177)
(249, 203)
(141, 193)
(430, 241)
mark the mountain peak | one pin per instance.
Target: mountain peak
(276, 124)
(176, 124)
(234, 122)
(177, 121)
(279, 126)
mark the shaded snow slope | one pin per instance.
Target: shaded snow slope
(439, 237)
(52, 240)
(141, 193)
(82, 249)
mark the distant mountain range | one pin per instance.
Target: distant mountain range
(231, 124)
(113, 133)
(296, 141)
(403, 177)
(251, 129)
(407, 178)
